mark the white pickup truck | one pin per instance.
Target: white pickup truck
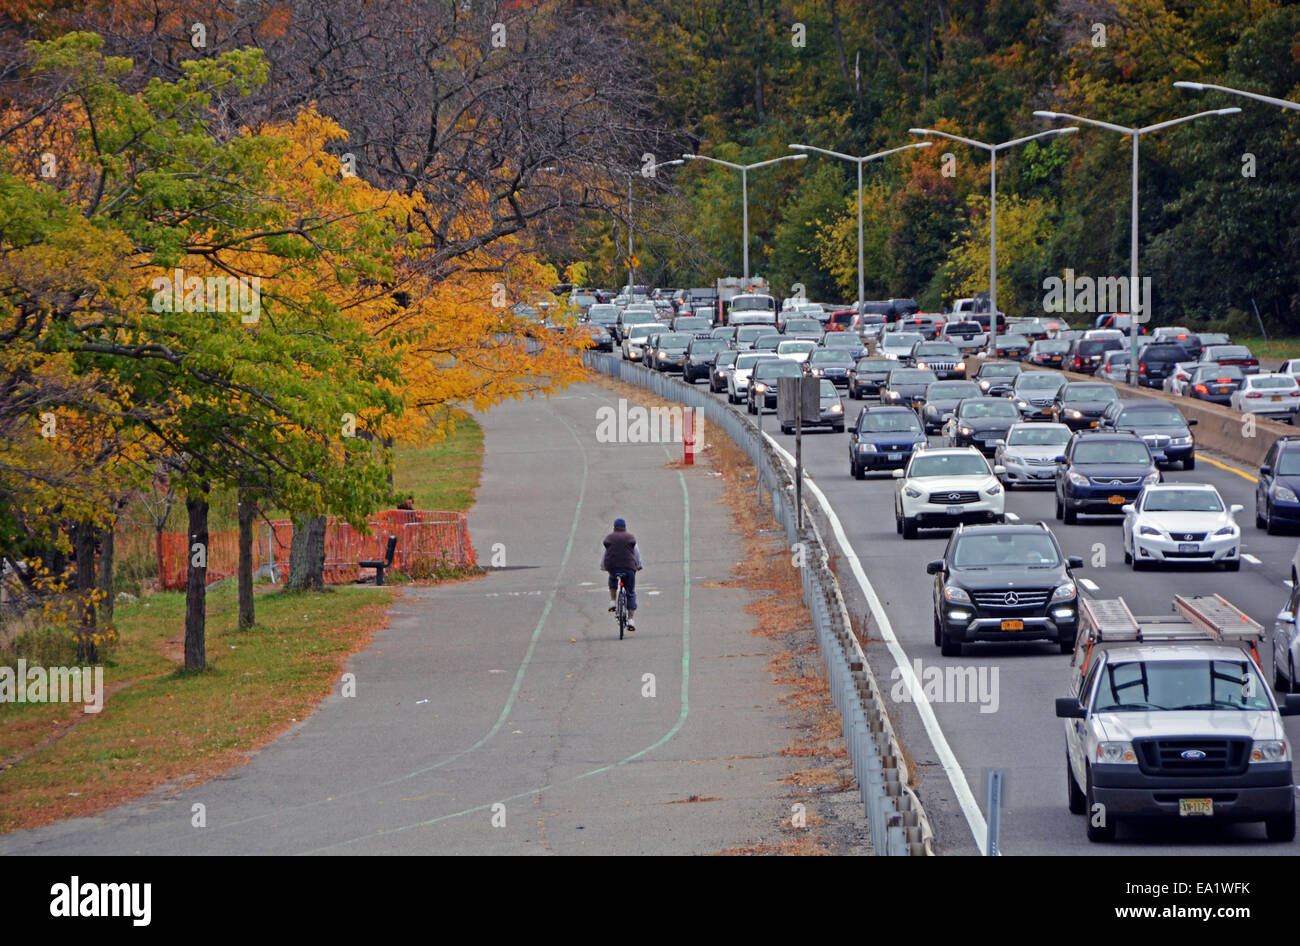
(1170, 717)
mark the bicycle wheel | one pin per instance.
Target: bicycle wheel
(621, 610)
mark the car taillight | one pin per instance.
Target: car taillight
(1202, 388)
(1142, 369)
(1254, 394)
(1296, 393)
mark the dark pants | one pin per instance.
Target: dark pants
(629, 582)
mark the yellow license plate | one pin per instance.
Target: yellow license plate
(1013, 625)
(1276, 397)
(1116, 500)
(1195, 806)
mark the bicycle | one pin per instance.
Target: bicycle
(620, 608)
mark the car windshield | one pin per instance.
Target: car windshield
(1220, 373)
(692, 323)
(1273, 381)
(999, 371)
(795, 345)
(1112, 451)
(1288, 464)
(951, 390)
(911, 376)
(726, 356)
(749, 360)
(1164, 353)
(1210, 338)
(824, 357)
(1039, 381)
(777, 369)
(1053, 347)
(964, 328)
(1150, 417)
(640, 331)
(1013, 341)
(1137, 686)
(675, 342)
(753, 304)
(948, 464)
(881, 422)
(828, 390)
(1075, 393)
(1097, 346)
(1005, 549)
(1230, 351)
(842, 340)
(1182, 500)
(904, 340)
(1038, 435)
(931, 349)
(749, 333)
(875, 364)
(768, 342)
(802, 325)
(708, 345)
(971, 410)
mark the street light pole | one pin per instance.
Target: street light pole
(860, 161)
(744, 170)
(993, 150)
(631, 259)
(1134, 134)
(1202, 86)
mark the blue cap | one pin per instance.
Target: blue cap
(620, 524)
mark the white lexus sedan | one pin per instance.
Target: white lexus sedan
(943, 487)
(1181, 523)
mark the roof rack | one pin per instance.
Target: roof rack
(1196, 617)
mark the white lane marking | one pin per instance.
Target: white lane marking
(1013, 517)
(1250, 558)
(1089, 584)
(951, 767)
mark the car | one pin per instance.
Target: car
(1033, 393)
(1213, 338)
(1033, 329)
(1176, 381)
(844, 320)
(699, 358)
(768, 341)
(640, 314)
(1291, 366)
(1268, 395)
(796, 350)
(1156, 362)
(1029, 453)
(906, 387)
(1177, 523)
(744, 336)
(884, 438)
(968, 336)
(723, 362)
(942, 358)
(1230, 355)
(1102, 472)
(1160, 425)
(941, 488)
(1277, 490)
(1080, 404)
(763, 383)
(799, 323)
(1085, 354)
(897, 345)
(1007, 582)
(725, 332)
(1047, 352)
(927, 326)
(830, 364)
(1178, 335)
(601, 340)
(831, 408)
(669, 352)
(868, 376)
(1114, 366)
(847, 342)
(980, 422)
(870, 325)
(603, 314)
(1214, 383)
(700, 327)
(1095, 333)
(941, 399)
(1286, 643)
(1009, 346)
(996, 378)
(738, 377)
(1169, 719)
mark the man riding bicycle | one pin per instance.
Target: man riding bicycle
(622, 558)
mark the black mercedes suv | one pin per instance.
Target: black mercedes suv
(1007, 582)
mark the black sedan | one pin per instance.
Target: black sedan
(868, 376)
(830, 364)
(941, 400)
(1080, 404)
(1161, 426)
(905, 387)
(995, 378)
(699, 358)
(980, 422)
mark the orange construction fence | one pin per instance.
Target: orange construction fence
(423, 536)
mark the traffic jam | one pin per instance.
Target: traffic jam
(1013, 505)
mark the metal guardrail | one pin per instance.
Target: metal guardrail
(895, 817)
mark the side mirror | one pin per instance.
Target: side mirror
(1191, 422)
(1291, 707)
(1126, 508)
(999, 469)
(1067, 707)
(1235, 508)
(898, 474)
(997, 443)
(933, 568)
(1284, 617)
(1266, 469)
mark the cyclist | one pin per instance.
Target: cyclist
(622, 557)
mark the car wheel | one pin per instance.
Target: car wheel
(1260, 521)
(1290, 675)
(909, 528)
(1189, 463)
(1281, 827)
(1106, 830)
(786, 429)
(898, 523)
(949, 647)
(1078, 802)
(1060, 509)
(1232, 565)
(1128, 557)
(1280, 683)
(1271, 525)
(1068, 515)
(858, 472)
(938, 632)
(839, 429)
(1065, 646)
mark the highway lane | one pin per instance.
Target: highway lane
(1022, 736)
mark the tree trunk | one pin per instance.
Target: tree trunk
(84, 545)
(196, 582)
(106, 574)
(246, 510)
(307, 555)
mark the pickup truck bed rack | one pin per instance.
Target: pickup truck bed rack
(1195, 617)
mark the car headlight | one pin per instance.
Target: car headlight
(1076, 414)
(1148, 530)
(922, 364)
(966, 431)
(1180, 441)
(953, 593)
(912, 491)
(721, 374)
(663, 354)
(1283, 493)
(1012, 458)
(1153, 477)
(1226, 530)
(960, 366)
(1270, 750)
(984, 385)
(760, 388)
(1023, 405)
(994, 489)
(1078, 479)
(837, 408)
(817, 371)
(866, 448)
(893, 395)
(1116, 753)
(1064, 592)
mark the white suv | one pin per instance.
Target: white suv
(943, 487)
